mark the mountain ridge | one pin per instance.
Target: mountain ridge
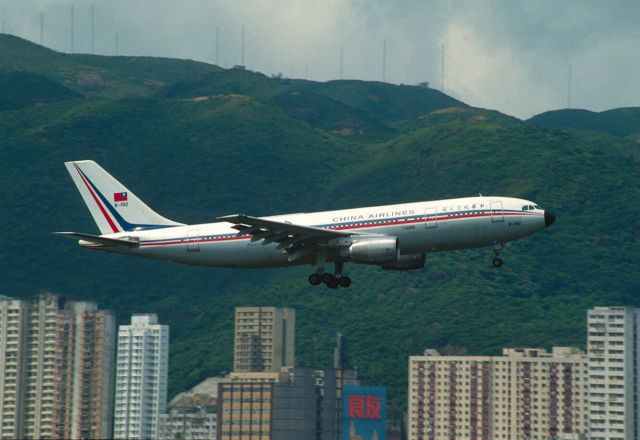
(195, 159)
(619, 122)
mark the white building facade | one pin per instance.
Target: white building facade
(55, 369)
(526, 394)
(141, 377)
(614, 351)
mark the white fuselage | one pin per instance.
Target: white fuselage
(419, 227)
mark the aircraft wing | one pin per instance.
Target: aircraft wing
(298, 240)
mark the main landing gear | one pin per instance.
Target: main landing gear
(331, 280)
(497, 261)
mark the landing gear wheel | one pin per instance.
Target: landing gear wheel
(332, 283)
(327, 278)
(314, 279)
(497, 262)
(344, 281)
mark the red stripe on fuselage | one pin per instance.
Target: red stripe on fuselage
(114, 228)
(342, 228)
(162, 243)
(424, 220)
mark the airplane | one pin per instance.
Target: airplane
(394, 237)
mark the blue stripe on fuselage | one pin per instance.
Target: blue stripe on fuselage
(360, 224)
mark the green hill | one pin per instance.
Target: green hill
(316, 110)
(387, 102)
(621, 122)
(196, 156)
(20, 89)
(98, 76)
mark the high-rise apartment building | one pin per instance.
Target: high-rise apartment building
(264, 339)
(614, 351)
(13, 346)
(141, 377)
(85, 353)
(525, 394)
(55, 369)
(293, 404)
(40, 362)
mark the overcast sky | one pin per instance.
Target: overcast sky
(512, 56)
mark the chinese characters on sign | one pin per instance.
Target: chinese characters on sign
(364, 407)
(364, 413)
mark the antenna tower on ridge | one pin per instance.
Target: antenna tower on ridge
(242, 48)
(72, 29)
(93, 30)
(217, 46)
(569, 88)
(442, 71)
(384, 60)
(41, 29)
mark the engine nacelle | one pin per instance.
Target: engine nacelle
(407, 262)
(375, 250)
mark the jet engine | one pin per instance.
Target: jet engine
(375, 250)
(406, 262)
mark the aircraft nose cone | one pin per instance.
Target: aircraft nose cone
(549, 218)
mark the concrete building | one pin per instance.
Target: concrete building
(293, 404)
(264, 339)
(345, 375)
(14, 316)
(525, 394)
(55, 369)
(40, 376)
(190, 418)
(85, 354)
(614, 351)
(245, 405)
(141, 377)
(194, 422)
(192, 415)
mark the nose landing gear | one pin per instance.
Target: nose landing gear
(497, 261)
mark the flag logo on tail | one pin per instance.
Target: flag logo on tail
(120, 197)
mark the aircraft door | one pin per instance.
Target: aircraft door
(431, 217)
(192, 240)
(497, 215)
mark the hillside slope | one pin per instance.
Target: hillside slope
(193, 159)
(387, 102)
(621, 122)
(21, 89)
(98, 76)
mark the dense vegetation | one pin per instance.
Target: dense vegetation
(196, 142)
(621, 122)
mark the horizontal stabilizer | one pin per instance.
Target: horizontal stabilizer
(101, 241)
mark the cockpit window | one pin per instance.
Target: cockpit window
(537, 207)
(525, 208)
(531, 207)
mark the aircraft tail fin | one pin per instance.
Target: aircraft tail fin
(113, 206)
